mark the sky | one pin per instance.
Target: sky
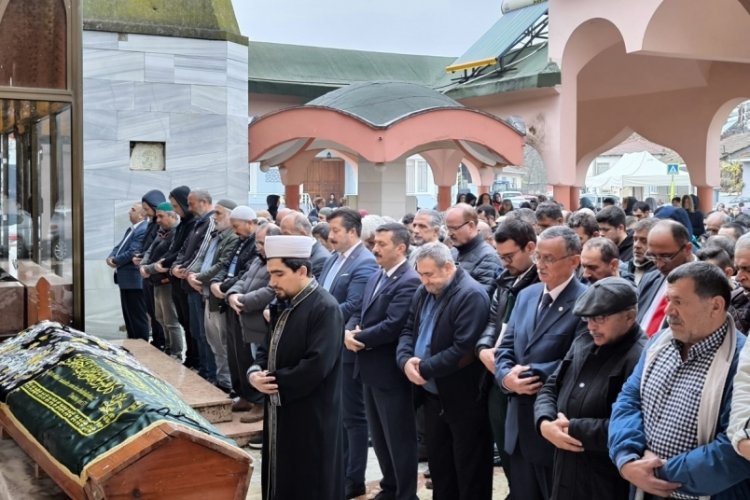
(427, 27)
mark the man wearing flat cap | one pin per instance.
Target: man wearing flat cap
(572, 409)
(299, 371)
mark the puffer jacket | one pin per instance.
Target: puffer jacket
(479, 260)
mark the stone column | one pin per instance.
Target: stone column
(562, 194)
(706, 198)
(291, 196)
(444, 198)
(382, 188)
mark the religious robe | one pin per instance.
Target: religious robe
(303, 426)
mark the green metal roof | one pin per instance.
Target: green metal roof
(313, 71)
(202, 19)
(532, 70)
(505, 33)
(382, 103)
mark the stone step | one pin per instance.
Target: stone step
(201, 395)
(238, 431)
(208, 400)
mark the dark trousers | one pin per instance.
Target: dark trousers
(459, 452)
(355, 426)
(157, 332)
(390, 416)
(497, 409)
(240, 357)
(179, 296)
(134, 313)
(207, 364)
(530, 481)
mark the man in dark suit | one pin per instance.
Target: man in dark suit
(344, 275)
(387, 392)
(540, 331)
(668, 248)
(436, 352)
(128, 276)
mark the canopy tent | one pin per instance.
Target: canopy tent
(637, 170)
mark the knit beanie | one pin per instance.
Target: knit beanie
(165, 207)
(243, 212)
(153, 198)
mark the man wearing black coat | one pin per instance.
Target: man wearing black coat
(150, 201)
(515, 241)
(573, 408)
(297, 224)
(436, 352)
(470, 251)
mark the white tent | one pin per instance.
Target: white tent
(637, 170)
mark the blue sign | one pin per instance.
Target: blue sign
(673, 169)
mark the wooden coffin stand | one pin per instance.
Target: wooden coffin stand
(166, 461)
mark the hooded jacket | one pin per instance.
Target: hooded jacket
(153, 198)
(180, 194)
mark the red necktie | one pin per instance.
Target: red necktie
(658, 318)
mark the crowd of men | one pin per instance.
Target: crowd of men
(599, 352)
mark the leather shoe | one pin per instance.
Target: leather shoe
(384, 495)
(242, 404)
(354, 490)
(254, 415)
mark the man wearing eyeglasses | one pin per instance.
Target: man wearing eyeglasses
(668, 248)
(471, 252)
(515, 242)
(539, 333)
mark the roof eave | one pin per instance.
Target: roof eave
(488, 88)
(163, 30)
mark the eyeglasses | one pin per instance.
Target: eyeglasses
(508, 257)
(454, 229)
(662, 258)
(596, 319)
(547, 260)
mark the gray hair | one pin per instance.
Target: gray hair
(202, 195)
(571, 239)
(435, 216)
(302, 224)
(369, 224)
(438, 252)
(743, 243)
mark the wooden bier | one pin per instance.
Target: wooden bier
(165, 461)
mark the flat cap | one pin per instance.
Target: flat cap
(606, 296)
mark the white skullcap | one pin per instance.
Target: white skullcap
(295, 247)
(243, 212)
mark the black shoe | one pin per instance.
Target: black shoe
(354, 490)
(384, 495)
(256, 442)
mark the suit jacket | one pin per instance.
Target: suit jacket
(381, 320)
(648, 288)
(349, 285)
(542, 347)
(462, 310)
(127, 276)
(318, 258)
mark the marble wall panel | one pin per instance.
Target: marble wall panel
(99, 40)
(215, 49)
(105, 154)
(104, 314)
(237, 130)
(179, 163)
(99, 231)
(208, 99)
(107, 94)
(97, 274)
(237, 74)
(214, 180)
(140, 126)
(113, 65)
(200, 71)
(237, 52)
(162, 97)
(192, 127)
(99, 124)
(237, 102)
(159, 67)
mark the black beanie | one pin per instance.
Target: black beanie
(180, 195)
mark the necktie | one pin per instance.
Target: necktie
(335, 268)
(382, 280)
(543, 307)
(658, 318)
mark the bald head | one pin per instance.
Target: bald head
(283, 212)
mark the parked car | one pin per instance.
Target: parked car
(598, 199)
(61, 233)
(19, 228)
